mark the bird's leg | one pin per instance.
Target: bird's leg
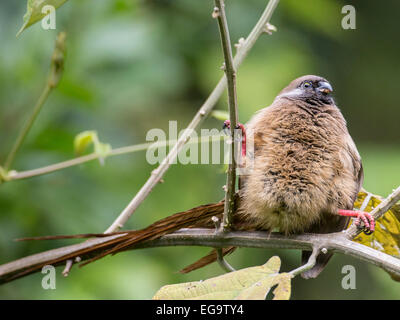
(227, 125)
(365, 217)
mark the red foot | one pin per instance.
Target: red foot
(227, 124)
(365, 217)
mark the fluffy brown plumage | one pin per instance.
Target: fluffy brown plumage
(304, 167)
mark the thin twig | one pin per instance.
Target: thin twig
(205, 109)
(220, 255)
(310, 263)
(56, 71)
(379, 211)
(15, 175)
(222, 262)
(230, 72)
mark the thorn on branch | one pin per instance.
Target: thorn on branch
(215, 14)
(217, 223)
(240, 43)
(68, 266)
(269, 28)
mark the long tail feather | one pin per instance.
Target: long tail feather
(75, 236)
(194, 218)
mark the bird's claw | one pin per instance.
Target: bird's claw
(368, 221)
(227, 125)
(366, 218)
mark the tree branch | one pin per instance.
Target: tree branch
(337, 242)
(205, 109)
(230, 72)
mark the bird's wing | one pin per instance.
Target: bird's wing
(357, 164)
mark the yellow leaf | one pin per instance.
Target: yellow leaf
(386, 237)
(83, 140)
(86, 138)
(252, 283)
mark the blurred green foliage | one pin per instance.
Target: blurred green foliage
(134, 65)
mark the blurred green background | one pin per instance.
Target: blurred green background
(133, 66)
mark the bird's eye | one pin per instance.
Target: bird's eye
(307, 84)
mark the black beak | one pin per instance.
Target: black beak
(324, 87)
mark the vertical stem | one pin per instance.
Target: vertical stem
(56, 71)
(28, 125)
(230, 72)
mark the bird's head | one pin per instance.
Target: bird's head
(309, 88)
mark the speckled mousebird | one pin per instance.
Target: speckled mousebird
(307, 170)
(305, 175)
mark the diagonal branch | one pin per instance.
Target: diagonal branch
(205, 109)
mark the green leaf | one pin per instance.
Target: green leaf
(220, 115)
(252, 283)
(34, 11)
(84, 139)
